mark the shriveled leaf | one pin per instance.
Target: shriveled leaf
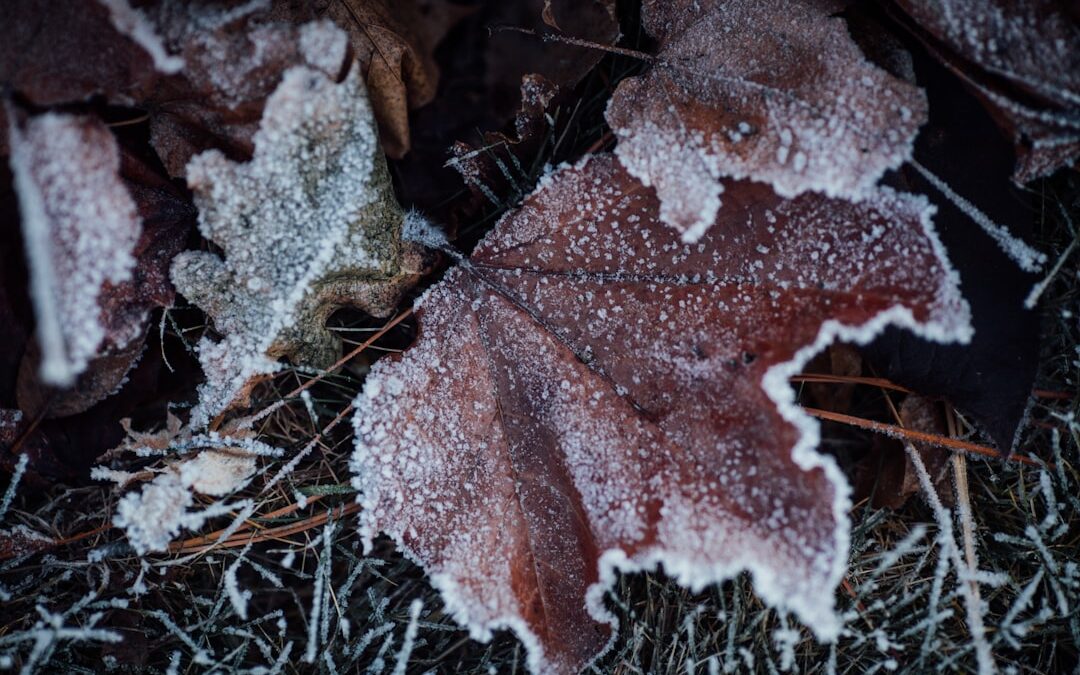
(886, 475)
(498, 159)
(1022, 59)
(80, 226)
(309, 225)
(20, 540)
(590, 394)
(512, 55)
(395, 41)
(772, 91)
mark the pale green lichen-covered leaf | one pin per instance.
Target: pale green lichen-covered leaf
(309, 225)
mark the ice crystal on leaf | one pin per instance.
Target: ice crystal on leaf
(773, 91)
(80, 226)
(590, 394)
(309, 225)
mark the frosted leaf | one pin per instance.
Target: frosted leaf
(220, 464)
(773, 91)
(309, 225)
(235, 58)
(1022, 59)
(80, 226)
(20, 540)
(134, 24)
(589, 394)
(153, 516)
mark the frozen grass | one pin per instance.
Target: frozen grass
(289, 591)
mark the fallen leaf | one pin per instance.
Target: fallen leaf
(1022, 59)
(80, 226)
(70, 53)
(153, 515)
(395, 40)
(20, 540)
(776, 92)
(512, 55)
(887, 474)
(233, 61)
(589, 394)
(309, 225)
(124, 307)
(491, 167)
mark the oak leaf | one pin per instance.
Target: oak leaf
(590, 394)
(233, 60)
(775, 92)
(1022, 59)
(309, 225)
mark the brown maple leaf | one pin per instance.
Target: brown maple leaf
(1022, 59)
(773, 91)
(590, 394)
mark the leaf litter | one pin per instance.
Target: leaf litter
(223, 621)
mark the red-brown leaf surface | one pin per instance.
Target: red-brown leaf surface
(1022, 59)
(590, 394)
(772, 91)
(99, 244)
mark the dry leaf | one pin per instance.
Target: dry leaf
(20, 540)
(166, 219)
(70, 53)
(80, 225)
(1022, 59)
(395, 42)
(512, 55)
(486, 169)
(233, 61)
(590, 394)
(309, 225)
(886, 474)
(772, 91)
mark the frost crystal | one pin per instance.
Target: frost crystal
(80, 225)
(308, 225)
